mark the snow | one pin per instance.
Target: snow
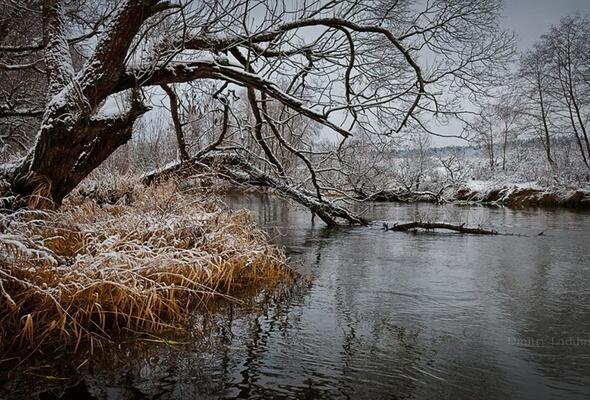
(485, 186)
(23, 246)
(168, 166)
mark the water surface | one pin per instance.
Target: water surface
(397, 315)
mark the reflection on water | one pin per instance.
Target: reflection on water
(392, 316)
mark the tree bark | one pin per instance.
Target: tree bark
(71, 132)
(46, 185)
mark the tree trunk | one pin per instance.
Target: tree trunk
(176, 121)
(576, 134)
(239, 171)
(411, 226)
(73, 139)
(547, 138)
(504, 147)
(69, 156)
(581, 122)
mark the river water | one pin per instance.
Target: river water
(399, 315)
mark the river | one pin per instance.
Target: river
(399, 315)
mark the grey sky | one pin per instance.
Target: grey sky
(531, 18)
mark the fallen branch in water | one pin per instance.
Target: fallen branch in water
(409, 226)
(237, 170)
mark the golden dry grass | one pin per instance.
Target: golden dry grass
(87, 273)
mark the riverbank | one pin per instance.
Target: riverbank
(88, 273)
(521, 195)
(490, 193)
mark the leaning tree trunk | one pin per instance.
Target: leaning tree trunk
(65, 154)
(73, 139)
(238, 170)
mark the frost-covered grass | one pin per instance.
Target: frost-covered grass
(88, 272)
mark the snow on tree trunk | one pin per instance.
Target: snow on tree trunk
(73, 139)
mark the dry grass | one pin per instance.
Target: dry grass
(88, 272)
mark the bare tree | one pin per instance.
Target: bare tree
(417, 162)
(495, 127)
(537, 104)
(569, 48)
(345, 66)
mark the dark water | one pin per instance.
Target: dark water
(397, 316)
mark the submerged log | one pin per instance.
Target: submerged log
(409, 226)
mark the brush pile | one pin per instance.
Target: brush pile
(86, 273)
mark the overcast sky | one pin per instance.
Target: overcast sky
(531, 18)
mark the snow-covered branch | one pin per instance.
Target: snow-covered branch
(210, 69)
(58, 60)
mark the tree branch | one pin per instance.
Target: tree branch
(207, 69)
(438, 225)
(58, 60)
(176, 121)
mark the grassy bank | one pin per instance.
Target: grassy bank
(90, 272)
